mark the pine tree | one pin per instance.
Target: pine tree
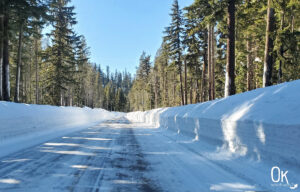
(23, 16)
(173, 38)
(193, 41)
(62, 51)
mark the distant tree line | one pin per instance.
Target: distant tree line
(53, 69)
(213, 49)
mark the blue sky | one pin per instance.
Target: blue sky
(117, 31)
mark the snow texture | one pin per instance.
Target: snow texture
(24, 125)
(229, 144)
(263, 124)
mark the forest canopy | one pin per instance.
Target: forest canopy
(211, 49)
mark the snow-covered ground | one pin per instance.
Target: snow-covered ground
(24, 125)
(246, 142)
(121, 156)
(249, 133)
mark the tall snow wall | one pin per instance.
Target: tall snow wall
(24, 125)
(263, 123)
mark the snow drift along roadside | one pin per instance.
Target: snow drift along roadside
(263, 123)
(24, 125)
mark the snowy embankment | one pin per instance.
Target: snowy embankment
(263, 124)
(24, 125)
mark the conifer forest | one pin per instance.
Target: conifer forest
(210, 49)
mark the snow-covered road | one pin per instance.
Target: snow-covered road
(245, 142)
(106, 157)
(118, 156)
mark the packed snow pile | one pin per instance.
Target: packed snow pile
(24, 125)
(263, 124)
(150, 117)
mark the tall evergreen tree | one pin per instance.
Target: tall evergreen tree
(30, 14)
(173, 38)
(59, 72)
(61, 53)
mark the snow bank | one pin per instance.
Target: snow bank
(150, 117)
(24, 125)
(263, 123)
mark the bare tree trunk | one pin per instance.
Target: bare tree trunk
(41, 98)
(163, 88)
(166, 89)
(185, 82)
(255, 66)
(30, 80)
(24, 83)
(268, 60)
(181, 86)
(156, 90)
(230, 64)
(191, 91)
(61, 99)
(5, 65)
(107, 104)
(203, 76)
(143, 100)
(198, 95)
(198, 91)
(70, 103)
(209, 61)
(18, 72)
(281, 52)
(1, 49)
(249, 65)
(150, 97)
(174, 88)
(213, 62)
(36, 73)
